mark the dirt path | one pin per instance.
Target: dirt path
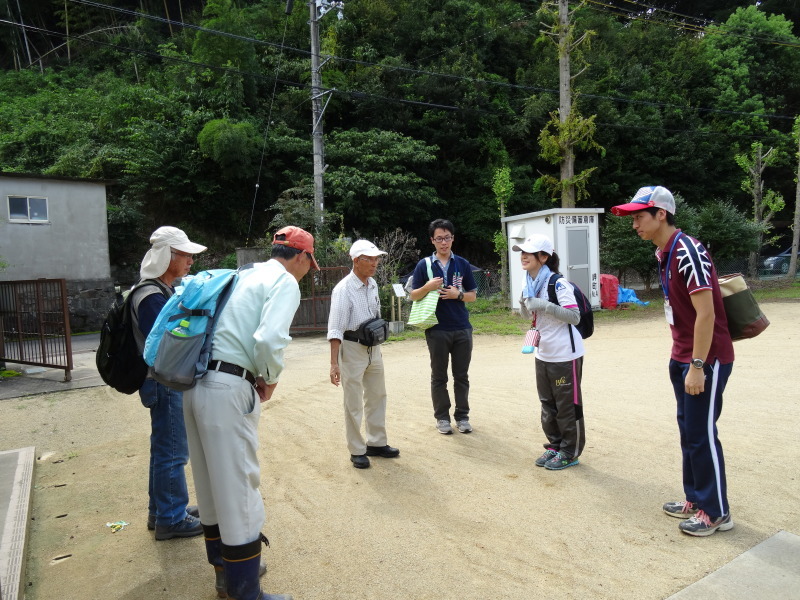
(461, 516)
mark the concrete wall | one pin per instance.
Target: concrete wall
(557, 224)
(72, 244)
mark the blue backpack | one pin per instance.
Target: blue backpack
(179, 361)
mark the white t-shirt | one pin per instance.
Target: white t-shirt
(555, 345)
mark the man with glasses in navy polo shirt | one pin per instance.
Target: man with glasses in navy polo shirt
(451, 338)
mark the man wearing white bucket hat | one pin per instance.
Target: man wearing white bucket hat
(170, 257)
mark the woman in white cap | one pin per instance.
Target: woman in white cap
(169, 259)
(559, 352)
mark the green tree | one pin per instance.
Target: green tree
(621, 249)
(567, 129)
(766, 202)
(503, 189)
(233, 146)
(232, 90)
(725, 230)
(373, 180)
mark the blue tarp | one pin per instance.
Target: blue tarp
(628, 295)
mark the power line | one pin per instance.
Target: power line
(185, 25)
(649, 7)
(705, 26)
(357, 94)
(464, 78)
(354, 94)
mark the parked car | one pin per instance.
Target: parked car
(778, 263)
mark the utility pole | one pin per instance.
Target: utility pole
(565, 99)
(317, 9)
(559, 138)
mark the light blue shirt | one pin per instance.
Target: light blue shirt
(253, 329)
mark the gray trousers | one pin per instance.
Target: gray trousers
(442, 345)
(559, 387)
(221, 414)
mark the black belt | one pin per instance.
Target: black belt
(231, 369)
(350, 336)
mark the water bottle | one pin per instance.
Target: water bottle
(182, 330)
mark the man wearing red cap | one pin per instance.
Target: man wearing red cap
(223, 409)
(701, 361)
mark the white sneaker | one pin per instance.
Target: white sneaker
(464, 426)
(443, 426)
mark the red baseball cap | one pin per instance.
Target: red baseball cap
(294, 237)
(655, 196)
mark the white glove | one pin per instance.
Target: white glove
(536, 304)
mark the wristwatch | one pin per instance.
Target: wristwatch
(460, 296)
(698, 363)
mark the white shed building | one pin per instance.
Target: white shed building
(576, 239)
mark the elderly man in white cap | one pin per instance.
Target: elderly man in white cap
(357, 367)
(170, 258)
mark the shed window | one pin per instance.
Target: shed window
(27, 209)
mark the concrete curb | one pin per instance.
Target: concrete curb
(16, 479)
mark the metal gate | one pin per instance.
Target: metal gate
(315, 302)
(34, 324)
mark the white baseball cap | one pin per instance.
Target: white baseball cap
(651, 195)
(364, 248)
(535, 243)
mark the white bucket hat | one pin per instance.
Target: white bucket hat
(156, 262)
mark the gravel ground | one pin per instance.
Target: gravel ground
(460, 516)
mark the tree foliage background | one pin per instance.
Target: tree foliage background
(199, 111)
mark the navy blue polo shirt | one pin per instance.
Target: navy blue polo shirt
(451, 314)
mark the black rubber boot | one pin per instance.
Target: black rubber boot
(214, 554)
(242, 566)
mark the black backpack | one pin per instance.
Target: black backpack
(118, 359)
(586, 325)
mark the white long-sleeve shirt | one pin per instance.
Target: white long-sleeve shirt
(554, 344)
(253, 330)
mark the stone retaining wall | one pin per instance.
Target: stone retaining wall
(88, 302)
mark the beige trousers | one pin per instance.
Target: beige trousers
(364, 395)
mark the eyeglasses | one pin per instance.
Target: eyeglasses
(440, 239)
(370, 259)
(182, 255)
